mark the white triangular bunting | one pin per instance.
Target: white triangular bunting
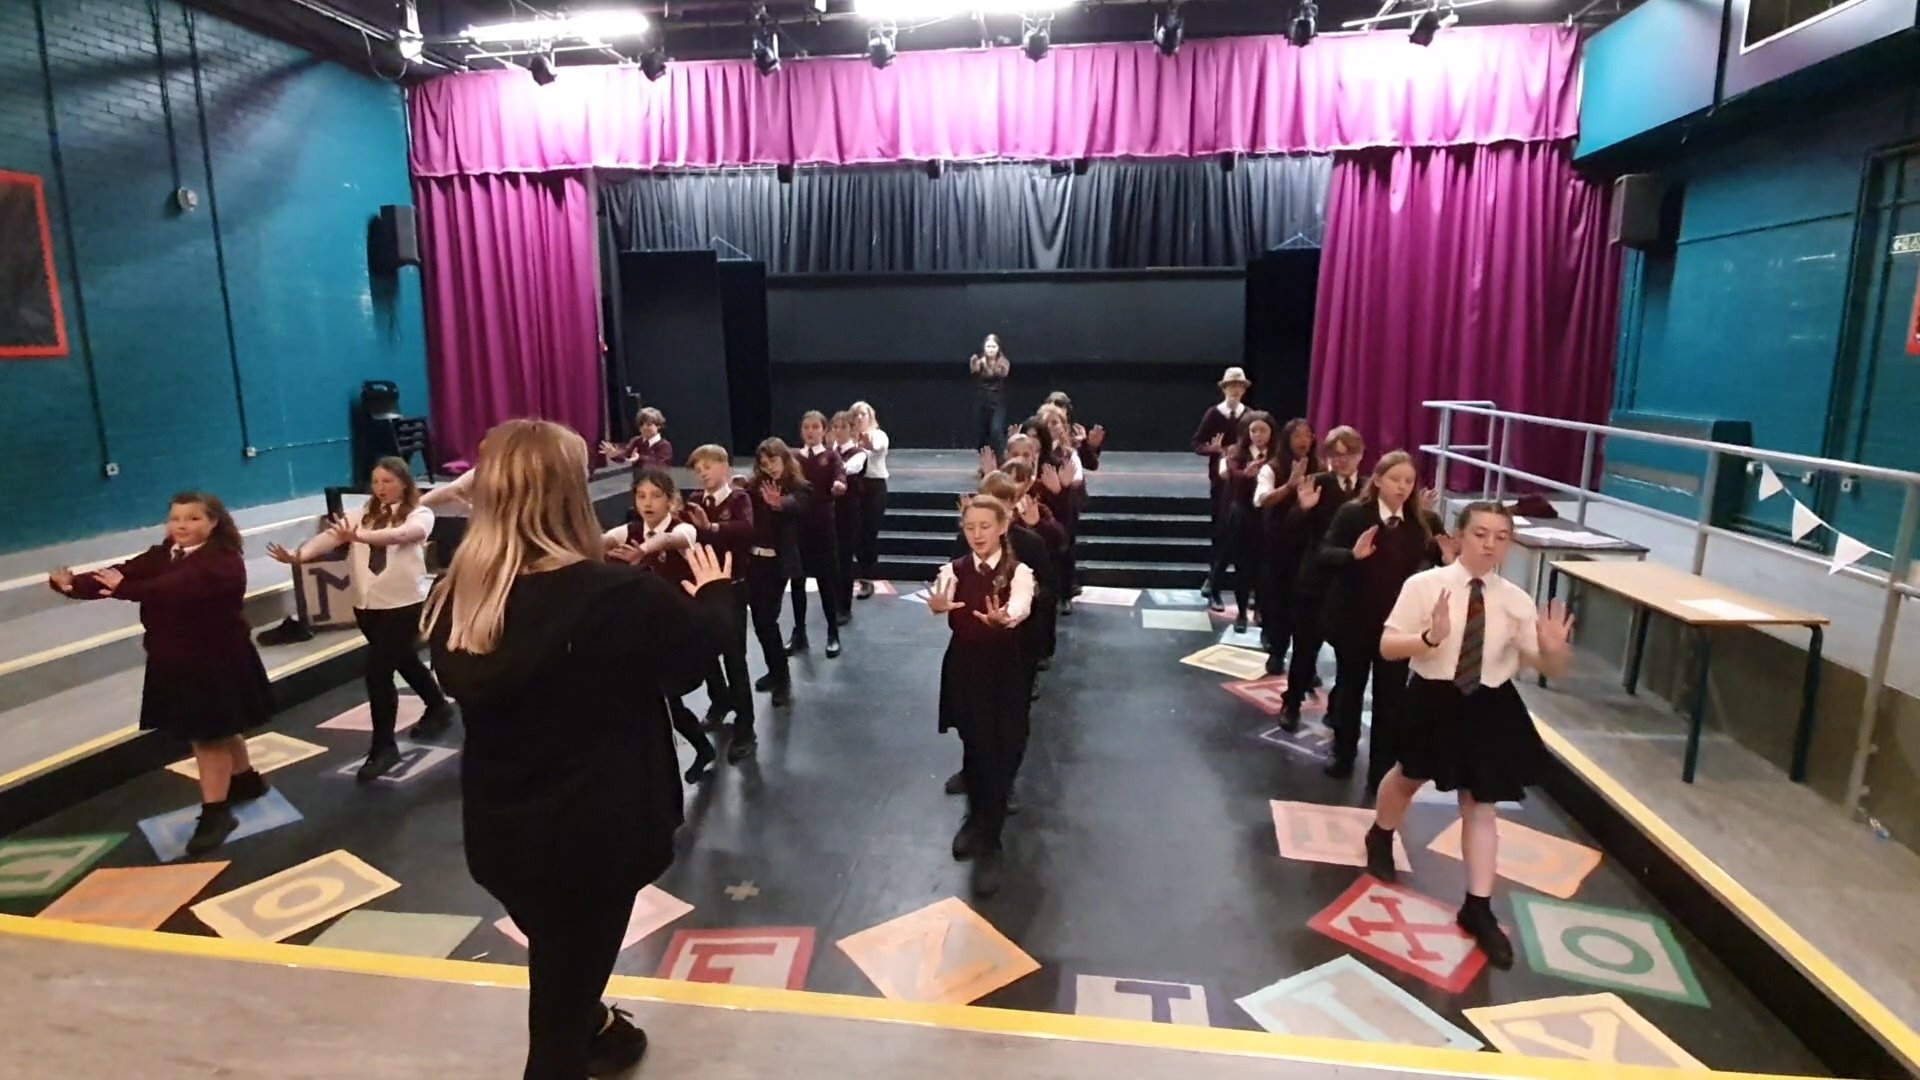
(1846, 552)
(1770, 484)
(1804, 520)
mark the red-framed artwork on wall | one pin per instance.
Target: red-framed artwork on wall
(32, 324)
(1913, 327)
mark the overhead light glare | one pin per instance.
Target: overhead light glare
(900, 11)
(584, 26)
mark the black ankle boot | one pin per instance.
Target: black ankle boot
(216, 824)
(1476, 918)
(1380, 854)
(797, 644)
(246, 787)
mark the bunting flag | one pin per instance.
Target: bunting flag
(1804, 520)
(1846, 552)
(1770, 484)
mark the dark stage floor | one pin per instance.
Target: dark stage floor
(1146, 854)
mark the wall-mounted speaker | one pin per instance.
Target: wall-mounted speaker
(1646, 212)
(396, 241)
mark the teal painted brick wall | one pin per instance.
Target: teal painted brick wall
(300, 154)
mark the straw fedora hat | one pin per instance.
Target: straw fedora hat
(1235, 375)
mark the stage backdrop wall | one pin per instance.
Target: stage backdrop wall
(1139, 351)
(291, 158)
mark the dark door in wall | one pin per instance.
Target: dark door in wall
(693, 343)
(1282, 286)
(1878, 388)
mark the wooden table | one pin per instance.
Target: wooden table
(1703, 606)
(1542, 550)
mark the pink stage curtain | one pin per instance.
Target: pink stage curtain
(1475, 85)
(1465, 272)
(512, 304)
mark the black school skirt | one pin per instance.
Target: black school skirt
(206, 698)
(984, 685)
(1483, 743)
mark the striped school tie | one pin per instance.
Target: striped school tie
(1473, 640)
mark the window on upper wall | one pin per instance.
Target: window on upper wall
(1769, 19)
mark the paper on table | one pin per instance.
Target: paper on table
(1725, 609)
(1575, 537)
(1520, 522)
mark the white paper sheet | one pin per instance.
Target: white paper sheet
(1726, 609)
(1574, 537)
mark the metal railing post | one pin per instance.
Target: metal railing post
(1586, 480)
(1707, 487)
(1500, 478)
(1863, 745)
(1446, 447)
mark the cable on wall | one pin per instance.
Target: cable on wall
(219, 241)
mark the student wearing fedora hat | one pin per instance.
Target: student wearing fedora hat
(1219, 429)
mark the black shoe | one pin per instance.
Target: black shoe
(957, 783)
(1240, 622)
(1066, 608)
(987, 874)
(1214, 603)
(216, 824)
(966, 842)
(1045, 663)
(435, 723)
(1380, 855)
(833, 646)
(1486, 932)
(1290, 718)
(740, 750)
(782, 696)
(1339, 770)
(797, 644)
(703, 757)
(863, 590)
(246, 787)
(716, 715)
(843, 618)
(380, 762)
(618, 1047)
(763, 684)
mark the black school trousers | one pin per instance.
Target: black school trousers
(766, 584)
(847, 533)
(727, 682)
(1304, 664)
(819, 560)
(873, 510)
(1359, 661)
(573, 940)
(393, 647)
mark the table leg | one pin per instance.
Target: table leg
(1539, 573)
(1705, 637)
(1642, 618)
(1553, 585)
(1809, 701)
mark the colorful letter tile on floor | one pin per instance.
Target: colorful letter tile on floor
(653, 909)
(267, 752)
(416, 759)
(1404, 930)
(136, 898)
(1545, 863)
(772, 956)
(1234, 663)
(1268, 694)
(1596, 1028)
(1620, 950)
(943, 953)
(1108, 596)
(1312, 741)
(1346, 999)
(360, 717)
(1156, 619)
(1335, 835)
(299, 898)
(167, 833)
(1178, 598)
(399, 933)
(44, 867)
(1151, 1000)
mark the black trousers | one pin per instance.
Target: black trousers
(873, 510)
(1303, 665)
(688, 725)
(573, 939)
(846, 533)
(1359, 660)
(727, 681)
(393, 647)
(990, 421)
(820, 560)
(1233, 545)
(766, 583)
(991, 756)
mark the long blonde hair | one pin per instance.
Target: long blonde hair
(531, 512)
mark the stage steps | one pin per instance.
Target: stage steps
(1137, 541)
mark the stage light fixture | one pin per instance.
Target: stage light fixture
(766, 50)
(1305, 24)
(543, 69)
(653, 62)
(586, 26)
(1169, 29)
(1430, 23)
(881, 44)
(1037, 38)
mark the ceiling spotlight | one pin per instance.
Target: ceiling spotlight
(1037, 38)
(543, 69)
(1305, 24)
(881, 44)
(1168, 29)
(1430, 23)
(766, 49)
(653, 62)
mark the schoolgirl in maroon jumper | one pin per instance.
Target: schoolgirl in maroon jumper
(848, 507)
(984, 596)
(826, 476)
(656, 539)
(1030, 513)
(722, 516)
(1306, 522)
(1372, 547)
(1057, 473)
(1219, 427)
(649, 448)
(205, 683)
(1292, 466)
(781, 496)
(1240, 468)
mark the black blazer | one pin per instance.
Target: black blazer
(1304, 529)
(1361, 592)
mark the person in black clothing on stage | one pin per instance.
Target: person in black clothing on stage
(1290, 469)
(1303, 529)
(570, 791)
(826, 475)
(990, 368)
(1372, 547)
(722, 517)
(1219, 428)
(780, 499)
(1241, 469)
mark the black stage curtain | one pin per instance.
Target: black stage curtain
(979, 216)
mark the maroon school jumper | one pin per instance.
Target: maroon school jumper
(670, 564)
(984, 684)
(729, 528)
(660, 454)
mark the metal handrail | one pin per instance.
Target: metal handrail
(1895, 583)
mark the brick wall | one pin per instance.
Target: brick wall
(146, 97)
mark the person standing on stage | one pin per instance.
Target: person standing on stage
(649, 448)
(1467, 632)
(873, 493)
(1306, 524)
(990, 368)
(1219, 428)
(818, 533)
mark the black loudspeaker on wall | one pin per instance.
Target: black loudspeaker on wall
(1646, 212)
(396, 242)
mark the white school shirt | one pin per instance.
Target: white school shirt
(404, 581)
(1512, 623)
(1266, 485)
(623, 534)
(854, 457)
(1019, 590)
(877, 457)
(1231, 412)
